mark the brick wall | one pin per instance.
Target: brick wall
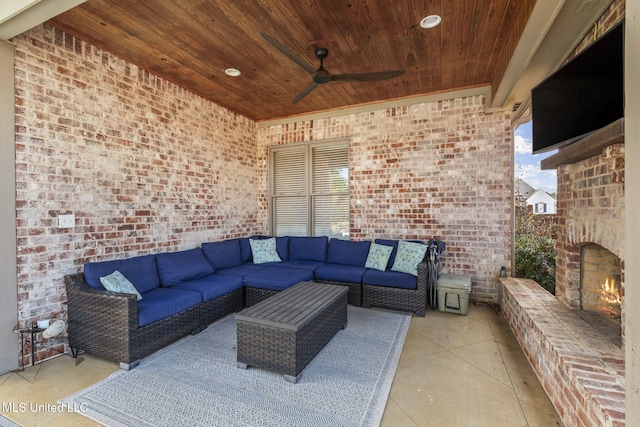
(590, 210)
(439, 169)
(144, 165)
(147, 167)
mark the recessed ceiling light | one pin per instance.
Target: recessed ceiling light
(430, 21)
(232, 72)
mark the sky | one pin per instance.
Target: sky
(527, 165)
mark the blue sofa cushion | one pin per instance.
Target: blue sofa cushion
(212, 286)
(282, 245)
(389, 278)
(340, 273)
(308, 248)
(245, 250)
(348, 252)
(176, 267)
(141, 272)
(242, 270)
(277, 279)
(161, 303)
(304, 265)
(223, 254)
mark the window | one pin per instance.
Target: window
(309, 189)
(541, 207)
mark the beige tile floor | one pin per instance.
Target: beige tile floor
(454, 371)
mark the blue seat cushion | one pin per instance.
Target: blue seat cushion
(348, 252)
(392, 279)
(182, 266)
(241, 270)
(223, 254)
(277, 278)
(141, 271)
(301, 264)
(340, 273)
(212, 286)
(160, 303)
(308, 248)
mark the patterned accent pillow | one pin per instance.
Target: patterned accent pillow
(116, 282)
(264, 250)
(409, 256)
(378, 257)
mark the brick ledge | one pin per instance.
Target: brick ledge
(582, 372)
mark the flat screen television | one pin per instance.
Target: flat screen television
(585, 94)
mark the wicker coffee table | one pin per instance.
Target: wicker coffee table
(286, 331)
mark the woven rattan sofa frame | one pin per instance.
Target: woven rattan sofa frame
(105, 323)
(414, 300)
(354, 296)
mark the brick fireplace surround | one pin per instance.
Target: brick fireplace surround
(581, 370)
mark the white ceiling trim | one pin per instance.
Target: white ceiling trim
(376, 106)
(541, 19)
(19, 16)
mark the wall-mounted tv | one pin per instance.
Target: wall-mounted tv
(585, 94)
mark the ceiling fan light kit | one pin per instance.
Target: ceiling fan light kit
(321, 75)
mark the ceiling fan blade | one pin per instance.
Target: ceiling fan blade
(288, 53)
(375, 76)
(304, 93)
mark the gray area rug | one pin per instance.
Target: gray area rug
(6, 422)
(196, 382)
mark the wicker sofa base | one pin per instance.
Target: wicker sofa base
(255, 295)
(414, 300)
(220, 307)
(283, 334)
(354, 297)
(106, 323)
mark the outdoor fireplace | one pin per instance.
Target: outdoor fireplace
(574, 339)
(590, 243)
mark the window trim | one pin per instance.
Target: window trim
(308, 147)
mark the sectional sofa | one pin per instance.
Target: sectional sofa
(156, 299)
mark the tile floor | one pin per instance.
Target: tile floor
(454, 371)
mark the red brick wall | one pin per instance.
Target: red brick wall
(144, 165)
(439, 169)
(147, 167)
(590, 210)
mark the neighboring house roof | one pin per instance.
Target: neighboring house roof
(541, 195)
(524, 189)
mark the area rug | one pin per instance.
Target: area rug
(6, 422)
(196, 382)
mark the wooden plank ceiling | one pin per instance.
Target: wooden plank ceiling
(192, 42)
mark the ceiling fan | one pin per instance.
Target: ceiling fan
(322, 76)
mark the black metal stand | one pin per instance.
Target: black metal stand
(32, 332)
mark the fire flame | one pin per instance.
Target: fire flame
(610, 292)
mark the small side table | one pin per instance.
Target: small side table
(30, 332)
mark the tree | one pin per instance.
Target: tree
(535, 252)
